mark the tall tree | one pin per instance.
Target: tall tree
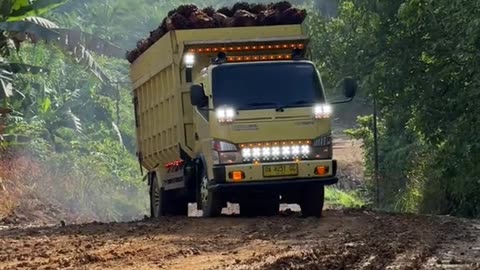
(20, 22)
(418, 58)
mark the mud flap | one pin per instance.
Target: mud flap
(199, 164)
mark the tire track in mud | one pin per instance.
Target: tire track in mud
(376, 245)
(351, 239)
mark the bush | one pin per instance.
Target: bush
(350, 199)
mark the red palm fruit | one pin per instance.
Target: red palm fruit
(186, 10)
(271, 16)
(226, 11)
(244, 18)
(240, 6)
(257, 8)
(209, 11)
(133, 55)
(280, 6)
(221, 20)
(200, 19)
(177, 21)
(293, 16)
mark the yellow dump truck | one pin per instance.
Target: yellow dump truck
(233, 115)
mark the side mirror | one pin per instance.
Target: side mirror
(350, 87)
(197, 96)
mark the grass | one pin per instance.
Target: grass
(340, 198)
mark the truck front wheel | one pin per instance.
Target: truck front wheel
(211, 203)
(312, 200)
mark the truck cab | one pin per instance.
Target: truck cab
(265, 135)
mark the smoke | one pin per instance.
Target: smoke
(46, 191)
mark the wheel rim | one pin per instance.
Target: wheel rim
(156, 198)
(204, 190)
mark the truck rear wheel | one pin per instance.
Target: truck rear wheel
(312, 200)
(163, 203)
(211, 202)
(157, 198)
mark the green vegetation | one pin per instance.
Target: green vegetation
(419, 58)
(70, 117)
(341, 198)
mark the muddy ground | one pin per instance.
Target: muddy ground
(348, 239)
(342, 239)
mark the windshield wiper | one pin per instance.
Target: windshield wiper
(260, 104)
(293, 104)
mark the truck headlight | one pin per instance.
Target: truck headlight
(225, 114)
(225, 153)
(322, 111)
(189, 60)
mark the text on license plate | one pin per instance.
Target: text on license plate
(280, 170)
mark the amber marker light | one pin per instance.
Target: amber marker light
(237, 175)
(321, 170)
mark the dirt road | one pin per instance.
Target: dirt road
(350, 239)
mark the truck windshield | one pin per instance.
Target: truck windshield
(266, 85)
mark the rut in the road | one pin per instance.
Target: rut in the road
(340, 240)
(376, 244)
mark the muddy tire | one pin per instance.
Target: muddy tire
(157, 198)
(211, 203)
(164, 203)
(312, 200)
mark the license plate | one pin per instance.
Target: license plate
(280, 170)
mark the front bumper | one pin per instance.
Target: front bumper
(254, 172)
(254, 177)
(275, 186)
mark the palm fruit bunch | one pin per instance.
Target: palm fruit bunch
(239, 15)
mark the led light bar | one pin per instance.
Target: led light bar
(254, 58)
(287, 152)
(280, 143)
(248, 48)
(291, 150)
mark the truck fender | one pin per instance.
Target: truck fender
(200, 161)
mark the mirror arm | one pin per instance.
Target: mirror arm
(189, 75)
(342, 101)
